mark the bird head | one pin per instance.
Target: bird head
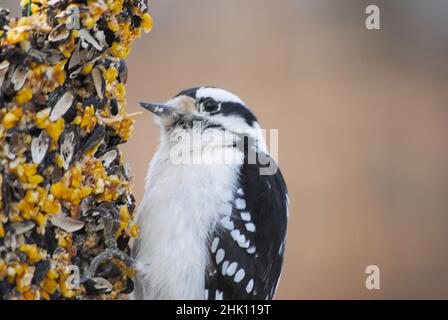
(211, 112)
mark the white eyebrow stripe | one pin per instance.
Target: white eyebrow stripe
(218, 94)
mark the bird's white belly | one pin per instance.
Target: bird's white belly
(181, 206)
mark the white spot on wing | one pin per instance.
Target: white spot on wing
(226, 223)
(251, 250)
(250, 286)
(240, 204)
(245, 216)
(225, 265)
(238, 237)
(215, 244)
(240, 191)
(239, 275)
(232, 268)
(220, 256)
(245, 244)
(250, 227)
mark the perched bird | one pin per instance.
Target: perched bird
(212, 222)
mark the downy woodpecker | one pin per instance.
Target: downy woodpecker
(212, 222)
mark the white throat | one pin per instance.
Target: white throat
(181, 206)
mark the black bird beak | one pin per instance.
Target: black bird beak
(158, 109)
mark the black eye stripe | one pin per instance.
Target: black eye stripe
(237, 109)
(227, 108)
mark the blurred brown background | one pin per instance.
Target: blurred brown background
(362, 118)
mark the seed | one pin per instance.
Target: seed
(88, 40)
(3, 70)
(68, 146)
(40, 146)
(10, 120)
(62, 104)
(19, 77)
(66, 223)
(59, 35)
(99, 82)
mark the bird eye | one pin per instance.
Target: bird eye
(210, 106)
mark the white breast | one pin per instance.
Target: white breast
(181, 205)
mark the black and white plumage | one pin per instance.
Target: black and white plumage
(210, 228)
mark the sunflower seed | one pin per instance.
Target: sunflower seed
(22, 227)
(109, 157)
(66, 223)
(68, 146)
(94, 138)
(39, 147)
(99, 82)
(98, 285)
(3, 70)
(59, 35)
(54, 56)
(19, 77)
(62, 104)
(123, 71)
(87, 39)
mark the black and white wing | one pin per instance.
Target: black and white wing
(247, 247)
